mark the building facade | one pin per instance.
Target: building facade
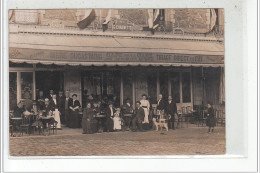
(120, 52)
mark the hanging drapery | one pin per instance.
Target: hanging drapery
(153, 15)
(222, 86)
(213, 18)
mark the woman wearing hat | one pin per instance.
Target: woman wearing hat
(74, 106)
(146, 106)
(211, 120)
(88, 116)
(109, 117)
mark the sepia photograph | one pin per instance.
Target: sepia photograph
(116, 82)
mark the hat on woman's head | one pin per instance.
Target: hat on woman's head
(46, 99)
(144, 95)
(74, 95)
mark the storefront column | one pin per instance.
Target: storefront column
(133, 88)
(181, 100)
(169, 85)
(121, 89)
(19, 92)
(34, 86)
(191, 89)
(157, 84)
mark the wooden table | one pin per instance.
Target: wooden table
(15, 122)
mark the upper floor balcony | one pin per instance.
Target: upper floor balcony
(170, 24)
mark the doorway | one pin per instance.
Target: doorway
(49, 80)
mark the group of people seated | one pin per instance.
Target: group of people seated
(102, 115)
(116, 118)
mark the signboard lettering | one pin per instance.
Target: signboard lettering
(84, 56)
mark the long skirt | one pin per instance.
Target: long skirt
(109, 124)
(211, 122)
(57, 118)
(89, 126)
(74, 119)
(146, 115)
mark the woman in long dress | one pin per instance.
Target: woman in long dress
(211, 119)
(88, 115)
(74, 106)
(146, 106)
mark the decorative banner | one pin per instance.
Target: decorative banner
(87, 56)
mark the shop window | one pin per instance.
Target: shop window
(128, 85)
(27, 85)
(186, 88)
(12, 90)
(152, 88)
(175, 86)
(92, 84)
(164, 84)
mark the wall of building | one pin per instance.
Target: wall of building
(188, 20)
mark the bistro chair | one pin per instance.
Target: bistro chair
(25, 126)
(11, 127)
(202, 118)
(180, 119)
(52, 126)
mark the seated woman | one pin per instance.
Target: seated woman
(117, 120)
(127, 109)
(18, 113)
(89, 124)
(97, 112)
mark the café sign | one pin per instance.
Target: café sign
(87, 56)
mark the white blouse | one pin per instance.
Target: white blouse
(145, 103)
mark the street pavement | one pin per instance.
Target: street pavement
(70, 142)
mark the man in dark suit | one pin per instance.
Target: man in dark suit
(50, 95)
(61, 106)
(138, 117)
(127, 109)
(160, 103)
(67, 102)
(47, 107)
(54, 102)
(40, 100)
(109, 115)
(171, 110)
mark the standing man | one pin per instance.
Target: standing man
(127, 109)
(67, 100)
(160, 103)
(54, 101)
(40, 101)
(48, 108)
(139, 117)
(50, 95)
(171, 110)
(61, 106)
(109, 115)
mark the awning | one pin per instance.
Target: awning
(111, 51)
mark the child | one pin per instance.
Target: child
(117, 119)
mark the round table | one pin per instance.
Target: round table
(16, 121)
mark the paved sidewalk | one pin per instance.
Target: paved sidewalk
(70, 142)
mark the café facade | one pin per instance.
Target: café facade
(48, 50)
